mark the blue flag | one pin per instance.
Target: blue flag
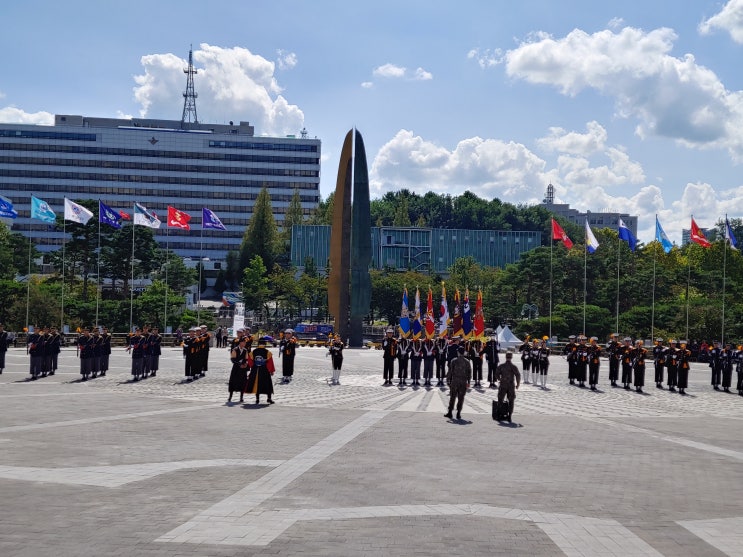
(660, 236)
(404, 316)
(107, 215)
(6, 208)
(592, 243)
(210, 220)
(626, 235)
(729, 236)
(40, 210)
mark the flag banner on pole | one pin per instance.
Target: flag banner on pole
(40, 210)
(106, 215)
(417, 322)
(124, 215)
(210, 220)
(626, 235)
(6, 208)
(559, 234)
(478, 325)
(76, 213)
(443, 313)
(729, 236)
(592, 243)
(697, 236)
(466, 314)
(145, 218)
(178, 219)
(660, 236)
(457, 319)
(404, 316)
(430, 321)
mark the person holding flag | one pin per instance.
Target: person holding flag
(441, 341)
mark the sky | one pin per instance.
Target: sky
(630, 106)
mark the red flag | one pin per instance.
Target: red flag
(559, 234)
(430, 322)
(178, 219)
(479, 324)
(124, 215)
(697, 236)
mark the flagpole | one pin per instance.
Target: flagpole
(28, 277)
(585, 282)
(552, 243)
(167, 260)
(619, 254)
(201, 268)
(98, 273)
(64, 243)
(724, 267)
(688, 282)
(131, 285)
(652, 311)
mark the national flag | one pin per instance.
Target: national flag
(40, 210)
(559, 234)
(178, 219)
(479, 322)
(697, 236)
(404, 325)
(626, 235)
(76, 213)
(729, 236)
(592, 243)
(430, 322)
(6, 208)
(457, 319)
(660, 236)
(145, 218)
(124, 215)
(443, 313)
(466, 315)
(417, 322)
(210, 220)
(107, 215)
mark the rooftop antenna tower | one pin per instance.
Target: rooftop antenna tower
(189, 97)
(549, 195)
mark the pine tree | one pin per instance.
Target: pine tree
(294, 215)
(261, 235)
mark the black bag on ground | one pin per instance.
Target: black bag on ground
(500, 411)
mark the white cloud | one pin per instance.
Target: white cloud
(389, 70)
(671, 97)
(573, 142)
(13, 115)
(486, 58)
(729, 19)
(232, 84)
(286, 60)
(367, 84)
(620, 170)
(422, 75)
(615, 23)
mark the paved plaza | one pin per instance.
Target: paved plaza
(163, 467)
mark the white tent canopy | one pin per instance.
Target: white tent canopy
(507, 339)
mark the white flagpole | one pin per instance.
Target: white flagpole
(131, 284)
(28, 277)
(724, 266)
(585, 282)
(64, 243)
(619, 253)
(688, 283)
(98, 273)
(201, 268)
(652, 311)
(167, 260)
(552, 242)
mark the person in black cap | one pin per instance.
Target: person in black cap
(639, 355)
(490, 349)
(684, 359)
(262, 368)
(728, 355)
(627, 353)
(715, 362)
(3, 346)
(659, 362)
(571, 355)
(389, 355)
(673, 353)
(613, 349)
(594, 363)
(581, 362)
(459, 376)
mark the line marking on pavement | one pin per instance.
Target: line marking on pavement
(725, 534)
(118, 475)
(99, 419)
(226, 520)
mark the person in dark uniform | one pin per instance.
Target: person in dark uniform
(739, 368)
(53, 348)
(403, 356)
(3, 346)
(571, 355)
(35, 350)
(441, 345)
(429, 359)
(507, 374)
(287, 353)
(594, 363)
(715, 362)
(416, 359)
(613, 350)
(627, 353)
(476, 359)
(659, 362)
(389, 355)
(262, 368)
(639, 356)
(534, 361)
(336, 357)
(490, 350)
(205, 337)
(728, 356)
(190, 352)
(459, 376)
(525, 350)
(673, 353)
(239, 373)
(95, 367)
(684, 361)
(544, 362)
(154, 350)
(105, 350)
(86, 353)
(136, 347)
(581, 358)
(239, 333)
(452, 351)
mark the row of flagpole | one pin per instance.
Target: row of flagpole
(463, 322)
(40, 210)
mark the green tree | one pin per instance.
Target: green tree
(179, 277)
(255, 287)
(324, 212)
(8, 270)
(116, 256)
(294, 215)
(261, 235)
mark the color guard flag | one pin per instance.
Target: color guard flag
(6, 208)
(559, 234)
(404, 315)
(729, 236)
(466, 314)
(430, 322)
(40, 210)
(76, 213)
(660, 236)
(626, 235)
(417, 325)
(592, 243)
(107, 215)
(178, 219)
(124, 215)
(443, 313)
(144, 218)
(457, 319)
(479, 323)
(210, 220)
(697, 236)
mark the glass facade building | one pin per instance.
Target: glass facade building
(156, 163)
(419, 249)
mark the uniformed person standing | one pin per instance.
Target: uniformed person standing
(476, 359)
(739, 368)
(715, 362)
(594, 363)
(659, 362)
(239, 372)
(581, 359)
(95, 367)
(105, 350)
(544, 361)
(639, 355)
(613, 350)
(490, 349)
(206, 338)
(627, 353)
(261, 369)
(441, 345)
(86, 353)
(525, 350)
(429, 359)
(53, 349)
(684, 361)
(154, 351)
(459, 376)
(571, 355)
(35, 350)
(728, 356)
(389, 355)
(509, 380)
(403, 357)
(416, 358)
(336, 356)
(452, 351)
(190, 352)
(3, 346)
(287, 353)
(136, 347)
(673, 353)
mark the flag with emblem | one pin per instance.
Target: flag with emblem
(178, 219)
(76, 213)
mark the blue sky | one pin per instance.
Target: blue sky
(632, 106)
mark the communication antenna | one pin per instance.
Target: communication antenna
(549, 195)
(189, 97)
